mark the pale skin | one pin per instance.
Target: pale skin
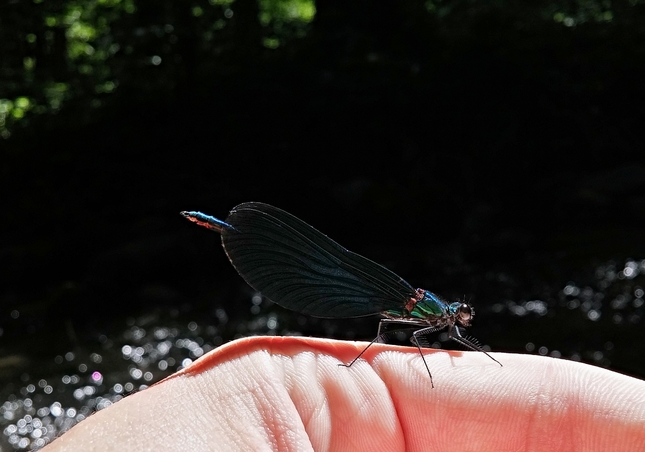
(289, 394)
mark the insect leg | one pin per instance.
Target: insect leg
(415, 340)
(457, 337)
(378, 337)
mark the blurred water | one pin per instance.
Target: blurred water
(596, 318)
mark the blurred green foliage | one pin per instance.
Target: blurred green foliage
(81, 52)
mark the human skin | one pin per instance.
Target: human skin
(290, 394)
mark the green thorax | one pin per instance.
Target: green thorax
(429, 306)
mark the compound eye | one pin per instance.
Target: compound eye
(465, 313)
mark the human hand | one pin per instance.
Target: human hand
(289, 394)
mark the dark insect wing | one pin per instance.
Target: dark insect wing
(302, 269)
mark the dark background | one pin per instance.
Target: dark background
(486, 151)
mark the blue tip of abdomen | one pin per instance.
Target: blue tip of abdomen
(206, 221)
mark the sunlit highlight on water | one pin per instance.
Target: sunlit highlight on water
(615, 296)
(46, 407)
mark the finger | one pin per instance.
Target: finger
(290, 394)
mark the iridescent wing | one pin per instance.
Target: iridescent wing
(302, 269)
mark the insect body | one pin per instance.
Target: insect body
(302, 269)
